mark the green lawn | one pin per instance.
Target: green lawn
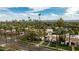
(45, 43)
(65, 47)
(76, 48)
(2, 48)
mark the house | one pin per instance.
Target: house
(22, 33)
(2, 30)
(73, 39)
(50, 35)
(13, 30)
(49, 31)
(26, 28)
(52, 38)
(8, 31)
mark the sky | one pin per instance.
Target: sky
(47, 13)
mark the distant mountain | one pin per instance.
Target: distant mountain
(71, 20)
(77, 20)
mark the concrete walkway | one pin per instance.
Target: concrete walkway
(73, 48)
(41, 42)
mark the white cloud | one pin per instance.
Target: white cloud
(36, 14)
(72, 11)
(39, 8)
(54, 15)
(3, 8)
(9, 15)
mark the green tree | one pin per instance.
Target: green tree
(60, 23)
(30, 36)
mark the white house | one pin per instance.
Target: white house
(49, 31)
(8, 31)
(52, 38)
(2, 30)
(26, 28)
(13, 30)
(73, 39)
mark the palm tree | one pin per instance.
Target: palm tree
(5, 34)
(39, 15)
(57, 32)
(0, 29)
(29, 18)
(11, 32)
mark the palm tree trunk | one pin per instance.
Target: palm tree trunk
(73, 48)
(56, 42)
(5, 38)
(69, 41)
